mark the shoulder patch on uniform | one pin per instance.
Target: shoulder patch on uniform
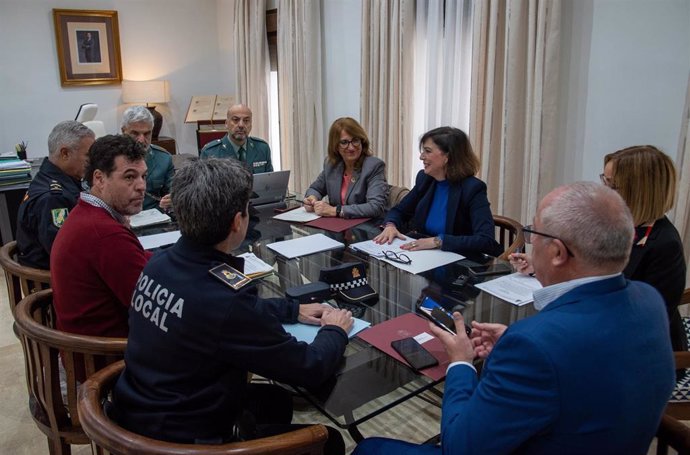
(59, 216)
(158, 148)
(55, 186)
(258, 139)
(230, 276)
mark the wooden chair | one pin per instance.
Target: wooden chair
(674, 434)
(56, 415)
(109, 438)
(21, 281)
(509, 235)
(395, 195)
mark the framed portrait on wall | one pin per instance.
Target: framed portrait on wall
(88, 47)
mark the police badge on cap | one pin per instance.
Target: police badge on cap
(349, 283)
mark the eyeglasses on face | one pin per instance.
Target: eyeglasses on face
(356, 142)
(528, 231)
(400, 258)
(607, 181)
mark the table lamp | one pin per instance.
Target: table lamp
(147, 92)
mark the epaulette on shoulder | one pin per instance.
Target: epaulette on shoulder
(212, 143)
(55, 187)
(158, 148)
(258, 139)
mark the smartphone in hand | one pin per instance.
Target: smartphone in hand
(434, 312)
(414, 353)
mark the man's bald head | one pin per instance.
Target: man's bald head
(239, 123)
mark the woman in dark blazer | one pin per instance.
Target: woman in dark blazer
(353, 180)
(645, 178)
(448, 206)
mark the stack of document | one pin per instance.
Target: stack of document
(255, 267)
(148, 217)
(298, 215)
(149, 242)
(305, 245)
(515, 288)
(14, 171)
(421, 260)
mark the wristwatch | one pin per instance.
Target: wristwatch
(438, 242)
(338, 209)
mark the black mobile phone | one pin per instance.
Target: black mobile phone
(414, 353)
(498, 268)
(434, 312)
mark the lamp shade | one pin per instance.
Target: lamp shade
(145, 92)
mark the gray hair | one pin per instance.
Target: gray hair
(136, 114)
(207, 194)
(593, 220)
(67, 134)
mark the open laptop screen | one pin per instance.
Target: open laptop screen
(270, 187)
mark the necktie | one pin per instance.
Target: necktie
(241, 154)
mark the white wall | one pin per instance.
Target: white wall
(175, 40)
(625, 75)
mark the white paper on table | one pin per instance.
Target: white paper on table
(148, 217)
(515, 288)
(307, 332)
(253, 266)
(150, 242)
(422, 260)
(299, 215)
(303, 246)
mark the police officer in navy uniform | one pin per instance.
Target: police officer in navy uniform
(197, 326)
(53, 192)
(238, 144)
(137, 122)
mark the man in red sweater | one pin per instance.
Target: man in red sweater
(96, 258)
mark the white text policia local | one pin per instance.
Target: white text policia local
(155, 302)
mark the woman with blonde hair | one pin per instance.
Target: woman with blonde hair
(353, 179)
(645, 177)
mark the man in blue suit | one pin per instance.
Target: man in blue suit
(590, 373)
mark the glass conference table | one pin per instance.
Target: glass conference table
(369, 381)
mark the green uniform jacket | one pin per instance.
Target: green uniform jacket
(160, 173)
(258, 153)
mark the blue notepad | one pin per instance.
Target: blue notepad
(307, 332)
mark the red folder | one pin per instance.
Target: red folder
(335, 224)
(407, 325)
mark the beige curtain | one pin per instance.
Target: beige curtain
(513, 116)
(387, 89)
(681, 215)
(252, 65)
(300, 90)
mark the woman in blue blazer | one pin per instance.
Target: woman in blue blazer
(448, 206)
(353, 180)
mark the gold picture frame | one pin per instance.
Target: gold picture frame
(88, 47)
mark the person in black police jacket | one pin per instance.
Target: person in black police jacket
(197, 329)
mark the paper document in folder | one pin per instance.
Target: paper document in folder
(407, 325)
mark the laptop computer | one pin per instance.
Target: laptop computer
(270, 188)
